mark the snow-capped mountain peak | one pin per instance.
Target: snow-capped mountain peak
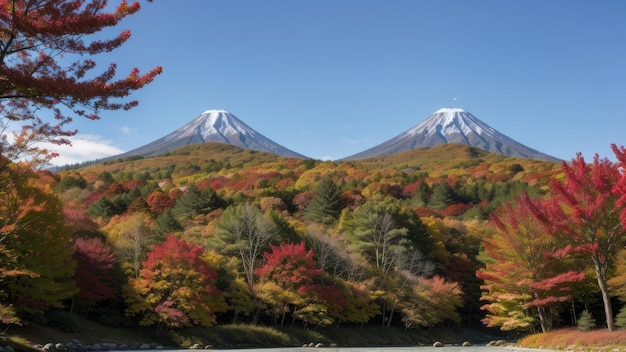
(453, 125)
(450, 121)
(213, 126)
(214, 123)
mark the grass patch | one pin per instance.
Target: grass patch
(19, 343)
(572, 338)
(231, 336)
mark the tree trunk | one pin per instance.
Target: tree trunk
(608, 310)
(384, 313)
(574, 317)
(542, 318)
(393, 309)
(255, 315)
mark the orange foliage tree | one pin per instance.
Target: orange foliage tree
(525, 273)
(175, 288)
(36, 264)
(290, 282)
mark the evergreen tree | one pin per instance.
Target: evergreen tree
(620, 318)
(102, 207)
(195, 202)
(326, 206)
(442, 196)
(167, 223)
(423, 194)
(586, 321)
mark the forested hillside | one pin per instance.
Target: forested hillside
(214, 234)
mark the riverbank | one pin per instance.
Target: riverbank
(98, 337)
(93, 336)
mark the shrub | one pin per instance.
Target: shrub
(64, 320)
(586, 321)
(620, 318)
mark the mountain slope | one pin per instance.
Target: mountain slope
(213, 126)
(453, 125)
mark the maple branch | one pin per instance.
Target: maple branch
(32, 78)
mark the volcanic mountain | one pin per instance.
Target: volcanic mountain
(213, 126)
(453, 125)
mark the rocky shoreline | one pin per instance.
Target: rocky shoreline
(77, 345)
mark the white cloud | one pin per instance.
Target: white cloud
(85, 147)
(125, 130)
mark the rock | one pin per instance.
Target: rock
(500, 343)
(333, 345)
(195, 346)
(437, 344)
(1, 348)
(319, 345)
(60, 347)
(48, 347)
(311, 344)
(9, 349)
(209, 347)
(95, 347)
(466, 344)
(144, 346)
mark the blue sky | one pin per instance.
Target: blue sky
(330, 78)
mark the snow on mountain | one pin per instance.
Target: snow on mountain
(213, 126)
(453, 125)
(213, 123)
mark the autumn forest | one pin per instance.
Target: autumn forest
(212, 234)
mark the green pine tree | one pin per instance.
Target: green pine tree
(167, 223)
(326, 206)
(620, 318)
(586, 321)
(442, 196)
(195, 202)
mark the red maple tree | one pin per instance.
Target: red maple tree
(43, 44)
(585, 210)
(93, 274)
